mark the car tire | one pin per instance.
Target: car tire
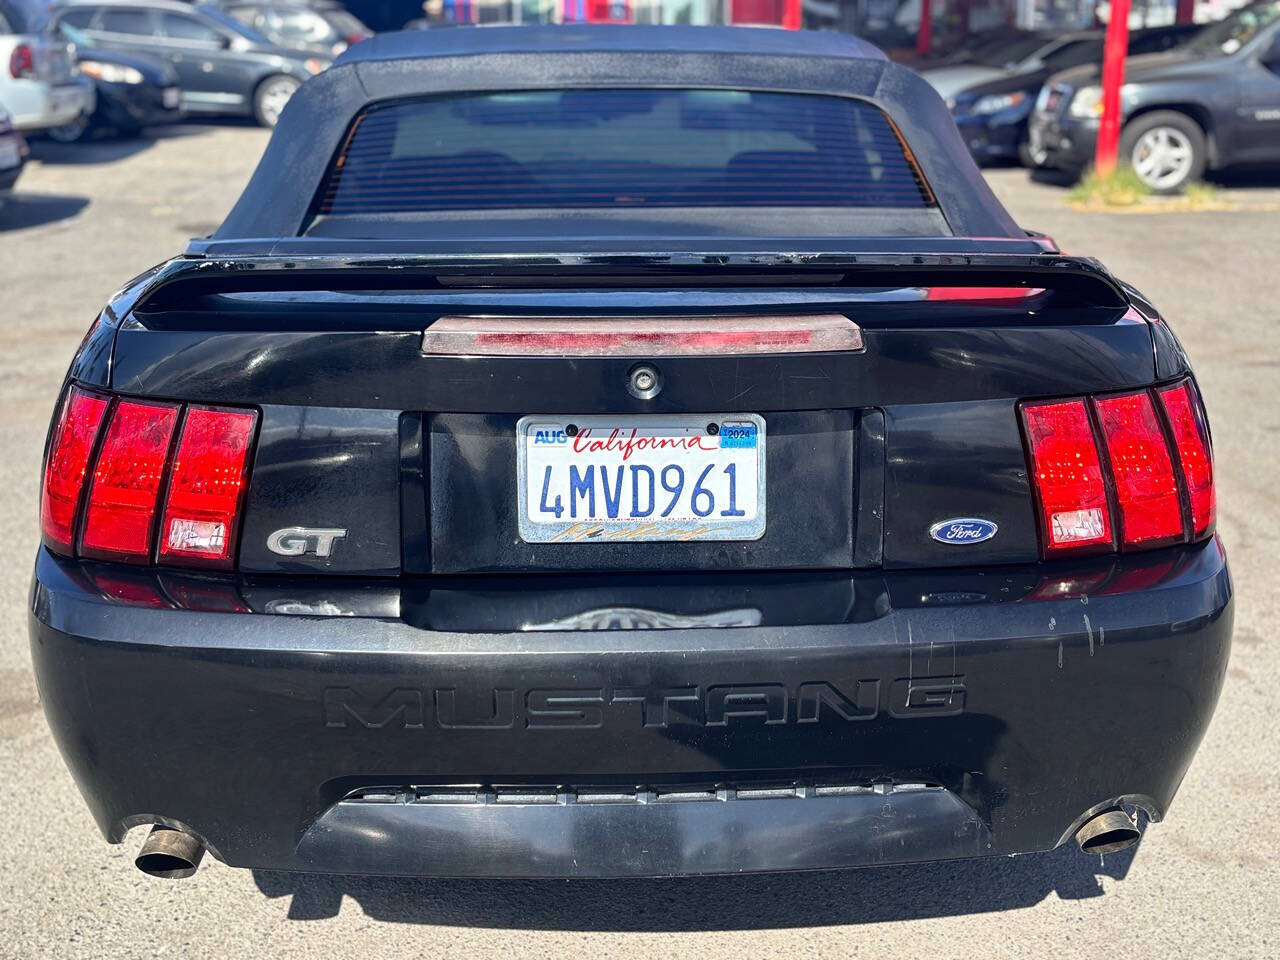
(1028, 157)
(271, 96)
(1166, 149)
(76, 131)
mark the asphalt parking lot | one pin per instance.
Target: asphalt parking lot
(1202, 883)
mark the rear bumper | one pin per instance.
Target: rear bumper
(42, 106)
(135, 105)
(936, 716)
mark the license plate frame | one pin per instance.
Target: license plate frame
(745, 428)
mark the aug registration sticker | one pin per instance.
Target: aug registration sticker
(641, 479)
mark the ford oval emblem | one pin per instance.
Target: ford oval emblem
(963, 530)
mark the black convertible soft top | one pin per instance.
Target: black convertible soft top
(273, 213)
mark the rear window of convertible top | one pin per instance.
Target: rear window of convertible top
(619, 148)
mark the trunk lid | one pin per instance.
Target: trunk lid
(416, 456)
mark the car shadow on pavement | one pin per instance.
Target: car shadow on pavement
(1265, 177)
(195, 122)
(1052, 178)
(90, 151)
(108, 149)
(24, 210)
(750, 902)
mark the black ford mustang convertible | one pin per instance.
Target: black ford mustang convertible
(620, 452)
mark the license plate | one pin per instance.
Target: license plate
(8, 153)
(170, 97)
(640, 479)
(65, 99)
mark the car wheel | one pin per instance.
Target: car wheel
(1029, 156)
(271, 96)
(1166, 149)
(73, 132)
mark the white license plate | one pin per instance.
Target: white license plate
(640, 479)
(8, 152)
(171, 97)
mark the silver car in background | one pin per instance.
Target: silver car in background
(40, 85)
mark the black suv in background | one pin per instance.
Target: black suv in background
(223, 66)
(993, 116)
(1214, 102)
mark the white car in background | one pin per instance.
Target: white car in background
(13, 154)
(40, 85)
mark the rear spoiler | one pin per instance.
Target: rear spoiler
(182, 282)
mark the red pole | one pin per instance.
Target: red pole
(1186, 11)
(791, 14)
(924, 38)
(1112, 80)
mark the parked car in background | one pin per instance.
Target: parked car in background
(223, 66)
(13, 155)
(1018, 53)
(993, 116)
(134, 91)
(40, 86)
(973, 48)
(1212, 103)
(325, 28)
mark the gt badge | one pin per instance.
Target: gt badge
(298, 541)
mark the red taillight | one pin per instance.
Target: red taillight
(205, 479)
(1150, 485)
(126, 482)
(207, 487)
(64, 471)
(1146, 488)
(22, 63)
(1068, 481)
(1189, 437)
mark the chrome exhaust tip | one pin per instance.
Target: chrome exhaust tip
(169, 853)
(1108, 832)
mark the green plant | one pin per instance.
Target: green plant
(1201, 194)
(1120, 188)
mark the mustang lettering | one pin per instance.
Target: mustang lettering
(713, 705)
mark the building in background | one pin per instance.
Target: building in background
(778, 13)
(894, 25)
